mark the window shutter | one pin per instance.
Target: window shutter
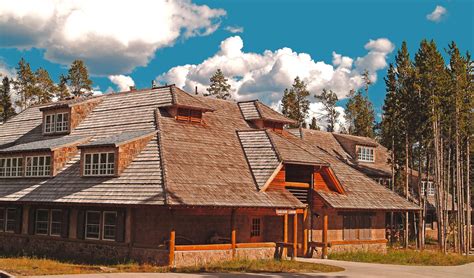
(81, 219)
(65, 223)
(18, 220)
(31, 220)
(120, 226)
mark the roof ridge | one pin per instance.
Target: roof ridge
(160, 151)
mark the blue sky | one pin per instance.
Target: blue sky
(285, 28)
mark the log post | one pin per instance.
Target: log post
(295, 235)
(305, 232)
(172, 247)
(325, 236)
(233, 233)
(285, 234)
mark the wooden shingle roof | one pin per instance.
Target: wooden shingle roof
(255, 110)
(45, 145)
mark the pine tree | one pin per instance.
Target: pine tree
(360, 115)
(78, 78)
(329, 100)
(62, 91)
(45, 89)
(24, 85)
(314, 124)
(219, 88)
(5, 100)
(295, 103)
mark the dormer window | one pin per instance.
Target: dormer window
(38, 166)
(11, 167)
(189, 115)
(56, 123)
(99, 164)
(365, 154)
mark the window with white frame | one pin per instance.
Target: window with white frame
(365, 154)
(93, 225)
(101, 225)
(38, 166)
(48, 222)
(256, 227)
(99, 164)
(11, 167)
(429, 187)
(57, 122)
(10, 220)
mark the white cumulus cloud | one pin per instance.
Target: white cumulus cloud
(123, 82)
(113, 37)
(437, 14)
(265, 75)
(5, 70)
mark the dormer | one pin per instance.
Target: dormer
(110, 156)
(181, 105)
(39, 158)
(262, 116)
(361, 149)
(62, 117)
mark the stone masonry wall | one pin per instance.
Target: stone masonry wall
(195, 258)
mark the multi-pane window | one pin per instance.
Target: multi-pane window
(38, 166)
(110, 219)
(93, 224)
(365, 154)
(429, 187)
(357, 227)
(101, 225)
(8, 219)
(99, 164)
(48, 222)
(11, 167)
(256, 228)
(58, 122)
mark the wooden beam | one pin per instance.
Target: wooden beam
(295, 235)
(128, 225)
(285, 234)
(172, 247)
(255, 244)
(272, 177)
(203, 247)
(305, 233)
(297, 184)
(325, 236)
(233, 237)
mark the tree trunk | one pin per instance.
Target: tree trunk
(406, 191)
(468, 197)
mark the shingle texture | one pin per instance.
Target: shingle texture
(249, 110)
(255, 110)
(261, 156)
(118, 139)
(45, 145)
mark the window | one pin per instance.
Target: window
(8, 219)
(429, 187)
(93, 225)
(11, 167)
(365, 154)
(255, 229)
(58, 122)
(99, 164)
(110, 218)
(48, 222)
(38, 166)
(189, 115)
(101, 225)
(357, 227)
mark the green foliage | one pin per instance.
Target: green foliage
(78, 78)
(24, 85)
(314, 124)
(6, 105)
(360, 115)
(219, 88)
(329, 100)
(44, 89)
(404, 257)
(295, 103)
(62, 91)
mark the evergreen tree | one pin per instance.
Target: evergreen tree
(5, 100)
(219, 88)
(329, 100)
(295, 103)
(45, 89)
(314, 125)
(78, 78)
(62, 91)
(360, 115)
(24, 85)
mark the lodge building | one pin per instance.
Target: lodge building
(162, 176)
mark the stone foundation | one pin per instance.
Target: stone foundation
(194, 258)
(78, 250)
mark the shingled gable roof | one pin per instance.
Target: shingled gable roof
(46, 145)
(179, 98)
(119, 139)
(361, 192)
(69, 102)
(255, 110)
(359, 140)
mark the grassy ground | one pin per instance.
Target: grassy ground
(31, 266)
(405, 257)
